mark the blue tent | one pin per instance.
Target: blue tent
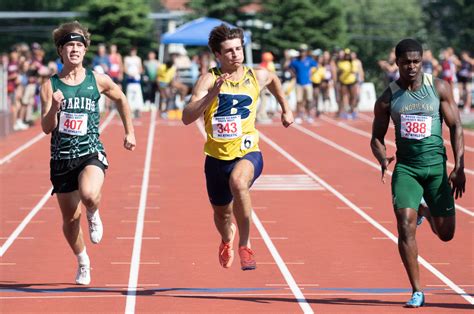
(196, 33)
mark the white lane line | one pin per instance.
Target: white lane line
(24, 223)
(286, 285)
(360, 158)
(137, 244)
(22, 148)
(40, 204)
(391, 143)
(300, 298)
(372, 221)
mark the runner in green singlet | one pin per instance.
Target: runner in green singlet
(417, 104)
(70, 111)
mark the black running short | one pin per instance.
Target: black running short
(64, 173)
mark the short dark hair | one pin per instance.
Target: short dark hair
(406, 45)
(222, 33)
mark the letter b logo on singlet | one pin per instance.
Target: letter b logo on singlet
(227, 121)
(230, 104)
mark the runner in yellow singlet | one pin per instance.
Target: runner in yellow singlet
(227, 97)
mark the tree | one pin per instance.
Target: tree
(121, 22)
(449, 23)
(375, 27)
(28, 30)
(38, 5)
(317, 23)
(226, 10)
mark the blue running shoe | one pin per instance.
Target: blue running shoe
(417, 299)
(419, 220)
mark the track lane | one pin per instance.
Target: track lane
(355, 142)
(307, 237)
(361, 128)
(348, 168)
(50, 268)
(188, 276)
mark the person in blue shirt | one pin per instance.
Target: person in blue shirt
(301, 69)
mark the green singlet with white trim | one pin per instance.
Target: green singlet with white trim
(77, 133)
(417, 119)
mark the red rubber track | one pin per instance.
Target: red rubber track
(339, 261)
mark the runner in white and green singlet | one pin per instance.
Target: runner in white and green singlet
(70, 112)
(417, 103)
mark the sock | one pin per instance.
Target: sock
(83, 258)
(90, 214)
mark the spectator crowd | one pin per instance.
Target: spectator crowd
(313, 80)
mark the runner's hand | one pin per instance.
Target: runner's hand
(217, 85)
(384, 166)
(58, 98)
(457, 180)
(287, 118)
(129, 142)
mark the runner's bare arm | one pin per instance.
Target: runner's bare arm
(272, 82)
(450, 113)
(203, 94)
(112, 90)
(50, 105)
(379, 129)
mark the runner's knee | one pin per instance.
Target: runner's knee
(238, 184)
(406, 229)
(90, 198)
(71, 220)
(445, 235)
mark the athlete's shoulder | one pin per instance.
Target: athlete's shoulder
(100, 78)
(442, 88)
(263, 76)
(384, 100)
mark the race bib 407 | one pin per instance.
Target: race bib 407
(73, 123)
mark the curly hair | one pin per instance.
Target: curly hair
(222, 33)
(70, 27)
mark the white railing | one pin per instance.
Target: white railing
(3, 89)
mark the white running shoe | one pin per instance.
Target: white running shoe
(96, 230)
(20, 125)
(83, 276)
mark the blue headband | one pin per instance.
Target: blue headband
(73, 37)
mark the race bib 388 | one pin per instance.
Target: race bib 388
(415, 127)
